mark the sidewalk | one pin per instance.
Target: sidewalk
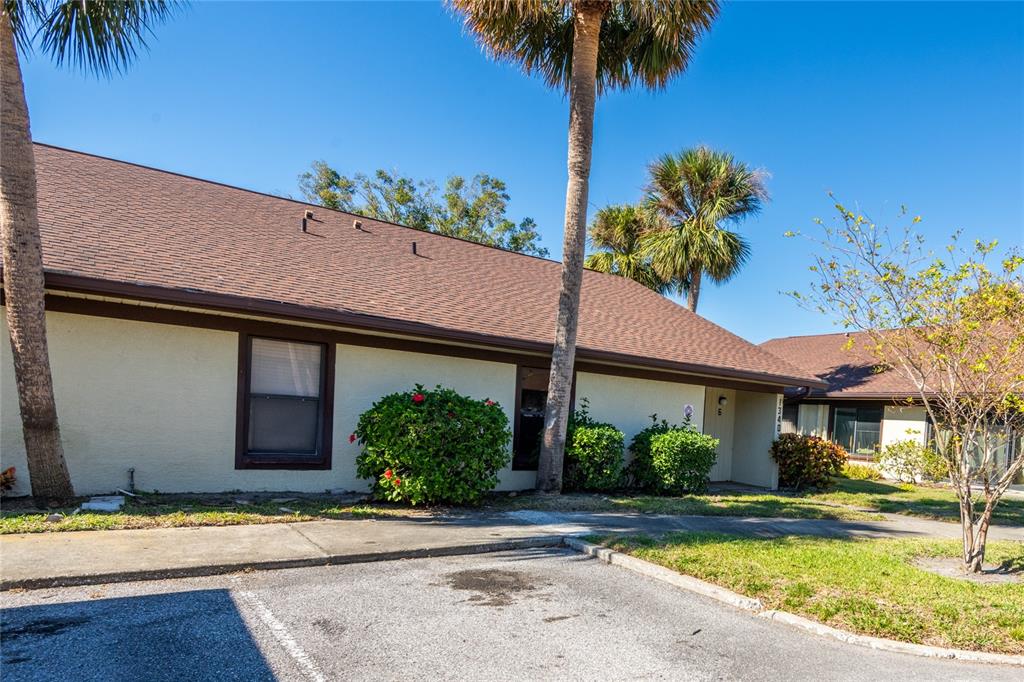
(89, 557)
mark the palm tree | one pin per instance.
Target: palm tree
(696, 193)
(617, 232)
(93, 35)
(584, 48)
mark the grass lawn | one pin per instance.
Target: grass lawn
(731, 504)
(915, 500)
(159, 511)
(848, 500)
(866, 586)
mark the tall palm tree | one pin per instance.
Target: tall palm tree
(584, 48)
(98, 36)
(616, 233)
(696, 194)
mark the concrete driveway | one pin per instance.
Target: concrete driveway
(534, 614)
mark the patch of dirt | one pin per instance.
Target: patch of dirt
(555, 619)
(493, 587)
(329, 626)
(949, 567)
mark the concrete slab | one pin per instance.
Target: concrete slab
(36, 560)
(371, 536)
(69, 558)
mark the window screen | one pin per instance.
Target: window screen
(285, 385)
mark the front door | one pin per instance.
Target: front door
(719, 412)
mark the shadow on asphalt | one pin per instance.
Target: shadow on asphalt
(196, 635)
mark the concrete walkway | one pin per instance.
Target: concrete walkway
(91, 557)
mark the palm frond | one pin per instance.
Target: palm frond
(641, 43)
(696, 192)
(93, 35)
(617, 232)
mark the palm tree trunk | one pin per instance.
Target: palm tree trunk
(582, 96)
(693, 294)
(23, 282)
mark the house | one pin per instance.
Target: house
(865, 407)
(208, 338)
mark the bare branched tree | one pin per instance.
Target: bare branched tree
(953, 325)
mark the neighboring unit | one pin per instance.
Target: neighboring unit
(210, 338)
(864, 407)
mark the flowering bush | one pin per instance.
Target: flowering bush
(7, 479)
(432, 446)
(807, 461)
(861, 472)
(593, 453)
(908, 461)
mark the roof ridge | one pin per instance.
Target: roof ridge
(809, 336)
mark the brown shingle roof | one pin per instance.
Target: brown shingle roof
(115, 222)
(850, 373)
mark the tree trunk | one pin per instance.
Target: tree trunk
(23, 282)
(693, 293)
(975, 561)
(582, 95)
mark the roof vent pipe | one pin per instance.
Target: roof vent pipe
(414, 248)
(357, 224)
(307, 215)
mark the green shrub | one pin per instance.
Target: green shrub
(806, 461)
(681, 458)
(861, 472)
(432, 446)
(593, 453)
(908, 461)
(640, 472)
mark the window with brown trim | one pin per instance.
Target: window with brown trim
(284, 404)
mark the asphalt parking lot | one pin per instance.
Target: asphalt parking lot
(539, 614)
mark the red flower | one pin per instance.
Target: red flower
(488, 402)
(398, 481)
(387, 473)
(352, 438)
(418, 397)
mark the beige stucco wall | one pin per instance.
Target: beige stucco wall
(628, 403)
(901, 422)
(720, 421)
(161, 398)
(158, 398)
(758, 417)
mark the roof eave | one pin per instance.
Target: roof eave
(63, 281)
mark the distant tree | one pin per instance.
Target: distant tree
(697, 193)
(474, 209)
(102, 37)
(953, 326)
(616, 233)
(583, 48)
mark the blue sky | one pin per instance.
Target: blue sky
(885, 104)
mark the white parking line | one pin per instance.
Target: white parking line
(281, 634)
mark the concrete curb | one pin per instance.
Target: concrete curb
(327, 560)
(755, 607)
(665, 575)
